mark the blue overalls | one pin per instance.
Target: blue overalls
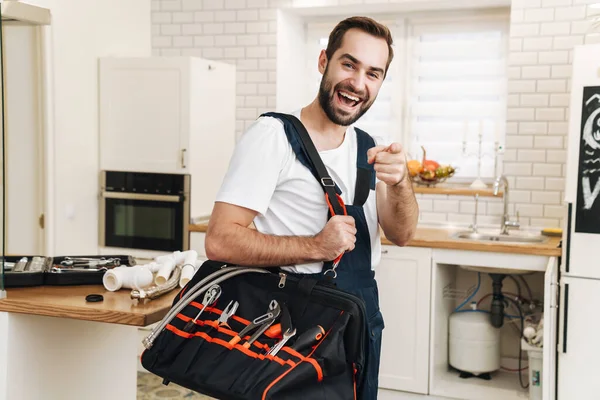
(353, 273)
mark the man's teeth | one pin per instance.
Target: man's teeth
(346, 95)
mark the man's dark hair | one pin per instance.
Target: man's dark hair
(364, 24)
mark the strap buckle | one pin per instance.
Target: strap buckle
(329, 182)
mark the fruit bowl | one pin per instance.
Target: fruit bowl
(429, 172)
(423, 180)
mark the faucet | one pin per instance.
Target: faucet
(506, 222)
(474, 224)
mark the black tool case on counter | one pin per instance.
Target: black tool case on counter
(203, 359)
(54, 271)
(32, 273)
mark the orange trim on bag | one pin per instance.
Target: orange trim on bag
(308, 358)
(248, 352)
(317, 367)
(226, 331)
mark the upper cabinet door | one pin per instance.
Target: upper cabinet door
(404, 279)
(144, 114)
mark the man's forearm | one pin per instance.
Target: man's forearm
(236, 244)
(399, 212)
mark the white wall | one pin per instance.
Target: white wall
(291, 62)
(543, 33)
(81, 32)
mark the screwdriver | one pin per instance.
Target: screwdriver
(309, 338)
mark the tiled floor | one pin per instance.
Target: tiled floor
(150, 387)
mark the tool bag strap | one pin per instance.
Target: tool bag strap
(365, 172)
(311, 159)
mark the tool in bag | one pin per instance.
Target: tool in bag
(261, 324)
(315, 348)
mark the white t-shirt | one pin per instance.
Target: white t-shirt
(264, 175)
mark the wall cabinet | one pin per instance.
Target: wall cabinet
(404, 279)
(169, 115)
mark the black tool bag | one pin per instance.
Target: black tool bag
(197, 353)
(204, 361)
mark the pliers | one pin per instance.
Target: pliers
(261, 323)
(225, 315)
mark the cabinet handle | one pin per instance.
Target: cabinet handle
(183, 151)
(384, 251)
(568, 249)
(566, 319)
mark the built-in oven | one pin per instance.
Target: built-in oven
(148, 211)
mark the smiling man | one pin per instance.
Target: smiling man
(267, 184)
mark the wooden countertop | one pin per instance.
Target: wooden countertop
(440, 238)
(69, 302)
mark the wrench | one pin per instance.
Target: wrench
(211, 296)
(286, 336)
(262, 323)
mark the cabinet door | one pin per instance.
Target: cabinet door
(579, 347)
(550, 327)
(144, 114)
(404, 278)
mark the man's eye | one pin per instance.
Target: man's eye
(348, 65)
(374, 75)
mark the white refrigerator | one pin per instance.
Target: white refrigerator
(578, 369)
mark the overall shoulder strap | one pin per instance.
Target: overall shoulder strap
(365, 173)
(308, 155)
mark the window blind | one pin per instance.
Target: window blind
(457, 77)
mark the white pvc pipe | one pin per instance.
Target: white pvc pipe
(189, 267)
(136, 277)
(172, 256)
(187, 273)
(165, 270)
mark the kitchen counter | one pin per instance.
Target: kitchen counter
(440, 238)
(69, 302)
(95, 345)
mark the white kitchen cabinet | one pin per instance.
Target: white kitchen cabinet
(169, 115)
(579, 347)
(454, 279)
(404, 279)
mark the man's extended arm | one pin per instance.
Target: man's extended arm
(397, 207)
(229, 239)
(398, 211)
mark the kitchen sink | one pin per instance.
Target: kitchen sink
(483, 237)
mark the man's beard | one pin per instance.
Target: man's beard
(327, 99)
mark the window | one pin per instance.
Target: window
(456, 98)
(445, 91)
